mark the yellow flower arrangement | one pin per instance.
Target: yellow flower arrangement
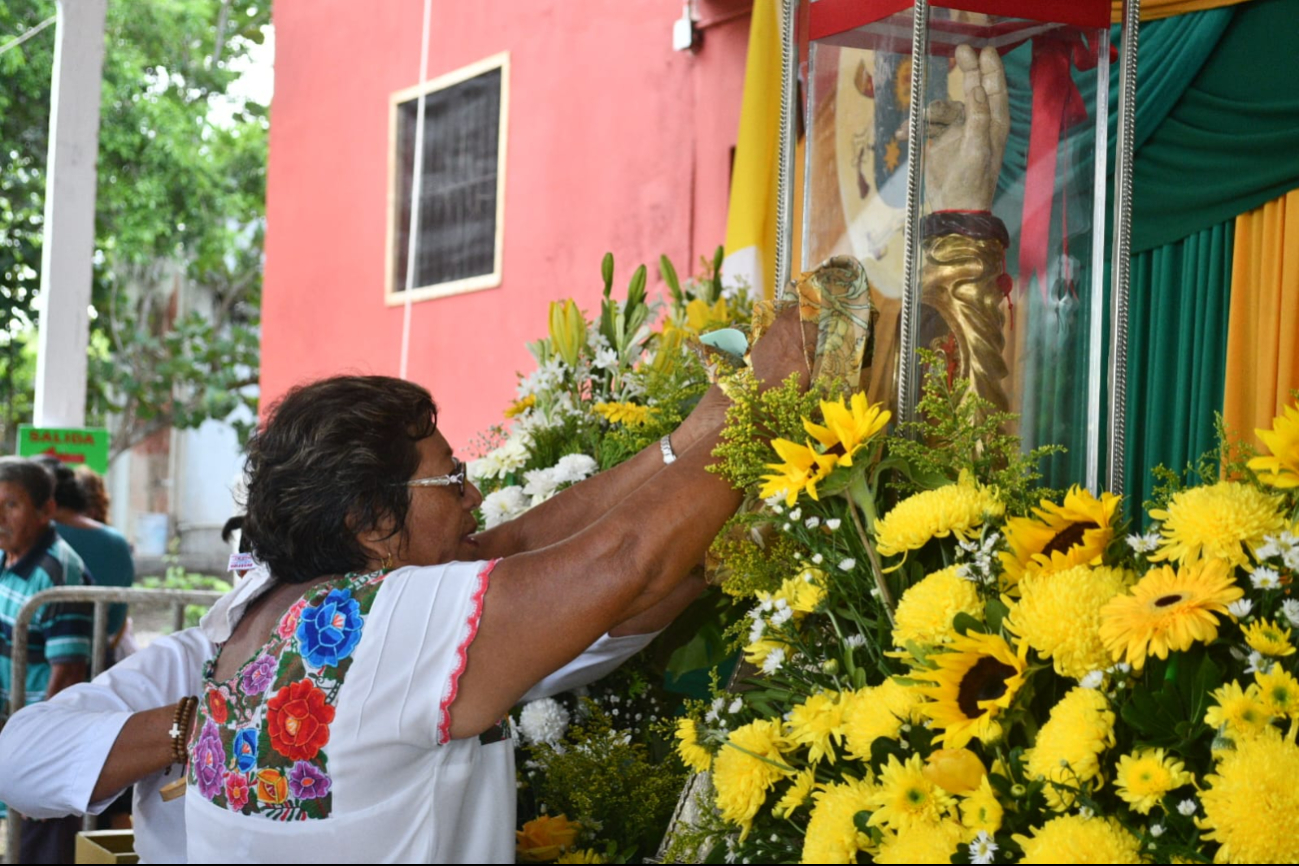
(1251, 802)
(975, 681)
(746, 768)
(877, 711)
(1060, 537)
(800, 790)
(545, 838)
(1059, 615)
(1281, 469)
(1268, 638)
(956, 509)
(905, 799)
(1068, 747)
(1168, 610)
(693, 755)
(1279, 691)
(1075, 839)
(981, 810)
(848, 427)
(832, 834)
(817, 723)
(1220, 520)
(801, 469)
(926, 610)
(934, 844)
(1143, 778)
(627, 414)
(1240, 713)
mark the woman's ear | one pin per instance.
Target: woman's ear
(380, 543)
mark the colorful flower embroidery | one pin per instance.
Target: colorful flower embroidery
(265, 731)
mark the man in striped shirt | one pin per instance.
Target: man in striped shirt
(58, 649)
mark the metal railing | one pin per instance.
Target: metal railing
(101, 597)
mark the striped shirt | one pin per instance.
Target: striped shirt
(59, 633)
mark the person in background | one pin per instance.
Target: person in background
(92, 484)
(36, 559)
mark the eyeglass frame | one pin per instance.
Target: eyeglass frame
(457, 476)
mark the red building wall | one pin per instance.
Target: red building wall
(616, 142)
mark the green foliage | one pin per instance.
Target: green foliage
(753, 419)
(752, 559)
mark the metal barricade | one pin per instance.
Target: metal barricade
(101, 597)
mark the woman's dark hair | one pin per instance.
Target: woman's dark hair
(331, 463)
(67, 490)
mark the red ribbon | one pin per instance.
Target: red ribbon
(1057, 106)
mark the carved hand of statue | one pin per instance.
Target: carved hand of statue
(967, 139)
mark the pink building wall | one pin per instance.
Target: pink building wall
(616, 142)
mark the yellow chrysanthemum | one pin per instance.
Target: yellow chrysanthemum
(1145, 777)
(1269, 638)
(1223, 520)
(1075, 839)
(874, 712)
(817, 723)
(1281, 469)
(1168, 611)
(582, 855)
(693, 755)
(926, 610)
(955, 509)
(956, 771)
(803, 468)
(981, 810)
(1060, 536)
(1251, 803)
(1059, 615)
(746, 768)
(1240, 713)
(832, 834)
(1279, 692)
(848, 427)
(975, 681)
(803, 592)
(545, 838)
(627, 414)
(1068, 747)
(905, 799)
(934, 844)
(797, 795)
(518, 407)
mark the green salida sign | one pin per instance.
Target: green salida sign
(80, 446)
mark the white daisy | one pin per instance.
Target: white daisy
(1240, 608)
(1290, 607)
(774, 661)
(1265, 578)
(982, 848)
(833, 524)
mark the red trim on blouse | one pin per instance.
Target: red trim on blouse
(462, 654)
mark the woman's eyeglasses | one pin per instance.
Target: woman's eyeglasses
(456, 478)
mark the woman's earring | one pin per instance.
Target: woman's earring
(386, 564)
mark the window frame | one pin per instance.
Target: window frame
(396, 296)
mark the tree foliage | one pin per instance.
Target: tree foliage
(180, 203)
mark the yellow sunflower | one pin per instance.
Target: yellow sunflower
(799, 792)
(874, 712)
(1281, 469)
(1168, 611)
(1059, 615)
(1279, 691)
(803, 468)
(1251, 803)
(1222, 520)
(955, 509)
(1068, 747)
(905, 799)
(1269, 638)
(974, 682)
(746, 768)
(817, 723)
(1073, 533)
(1075, 839)
(832, 834)
(1240, 713)
(926, 610)
(1143, 778)
(848, 427)
(936, 844)
(693, 755)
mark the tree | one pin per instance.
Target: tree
(182, 163)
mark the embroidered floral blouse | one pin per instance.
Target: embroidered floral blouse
(331, 742)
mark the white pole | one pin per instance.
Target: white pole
(69, 241)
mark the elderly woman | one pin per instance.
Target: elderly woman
(352, 711)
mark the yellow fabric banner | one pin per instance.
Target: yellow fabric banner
(1263, 328)
(1153, 9)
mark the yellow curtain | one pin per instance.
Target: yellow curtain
(1152, 9)
(1263, 328)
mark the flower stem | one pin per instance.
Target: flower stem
(886, 598)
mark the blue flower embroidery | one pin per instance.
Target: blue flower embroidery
(245, 749)
(330, 632)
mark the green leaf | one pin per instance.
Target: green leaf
(669, 274)
(636, 289)
(964, 624)
(861, 821)
(606, 271)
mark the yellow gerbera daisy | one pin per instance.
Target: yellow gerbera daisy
(797, 795)
(1168, 610)
(981, 810)
(955, 509)
(1269, 638)
(1060, 616)
(905, 799)
(1241, 713)
(1251, 803)
(627, 414)
(1060, 536)
(935, 844)
(1223, 520)
(874, 712)
(1075, 839)
(832, 834)
(803, 468)
(693, 755)
(817, 723)
(926, 610)
(848, 428)
(1145, 777)
(1279, 691)
(1281, 469)
(975, 681)
(746, 768)
(1068, 747)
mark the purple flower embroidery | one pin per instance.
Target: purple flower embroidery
(259, 675)
(308, 783)
(209, 761)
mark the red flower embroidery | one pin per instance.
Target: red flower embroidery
(237, 790)
(217, 708)
(298, 720)
(289, 622)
